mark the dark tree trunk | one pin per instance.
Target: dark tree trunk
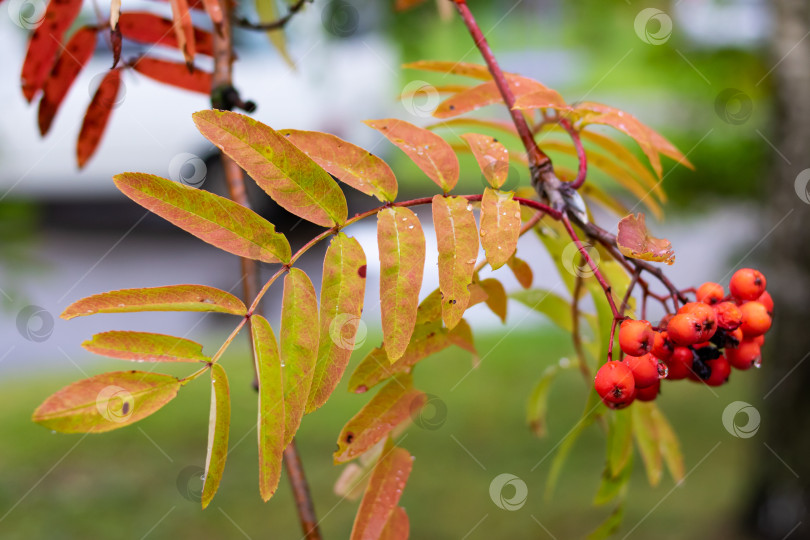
(779, 506)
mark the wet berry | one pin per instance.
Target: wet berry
(755, 319)
(614, 383)
(710, 293)
(680, 363)
(636, 337)
(728, 315)
(662, 347)
(685, 329)
(747, 284)
(744, 356)
(644, 368)
(649, 393)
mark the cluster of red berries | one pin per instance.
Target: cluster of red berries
(701, 342)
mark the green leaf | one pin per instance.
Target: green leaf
(522, 271)
(670, 448)
(168, 298)
(556, 240)
(537, 406)
(610, 526)
(106, 402)
(402, 261)
(271, 416)
(397, 527)
(350, 164)
(342, 292)
(428, 151)
(283, 171)
(457, 243)
(211, 218)
(219, 425)
(492, 157)
(647, 440)
(145, 347)
(392, 405)
(299, 346)
(496, 297)
(613, 485)
(553, 306)
(500, 226)
(268, 11)
(382, 495)
(619, 441)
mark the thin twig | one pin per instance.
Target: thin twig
(278, 24)
(582, 171)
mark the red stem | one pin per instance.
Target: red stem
(583, 159)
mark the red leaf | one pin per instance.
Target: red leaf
(97, 115)
(184, 29)
(174, 74)
(430, 152)
(634, 240)
(45, 44)
(402, 5)
(77, 53)
(476, 71)
(168, 298)
(115, 43)
(149, 28)
(382, 494)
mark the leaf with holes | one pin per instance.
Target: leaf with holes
(299, 346)
(97, 116)
(392, 405)
(168, 298)
(432, 154)
(492, 157)
(211, 218)
(78, 51)
(343, 289)
(634, 240)
(500, 226)
(286, 173)
(270, 424)
(149, 28)
(106, 402)
(219, 424)
(45, 43)
(350, 164)
(457, 243)
(174, 74)
(402, 262)
(145, 347)
(382, 495)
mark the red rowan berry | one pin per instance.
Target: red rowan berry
(705, 315)
(662, 324)
(759, 340)
(728, 315)
(734, 338)
(662, 347)
(685, 329)
(720, 370)
(614, 383)
(766, 300)
(755, 319)
(623, 404)
(744, 356)
(680, 363)
(649, 393)
(644, 368)
(747, 284)
(710, 293)
(636, 337)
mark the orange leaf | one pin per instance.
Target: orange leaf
(500, 226)
(97, 115)
(465, 69)
(485, 94)
(402, 260)
(350, 164)
(496, 297)
(211, 218)
(145, 347)
(382, 494)
(430, 152)
(634, 240)
(77, 53)
(106, 402)
(402, 5)
(168, 298)
(214, 11)
(342, 292)
(545, 98)
(522, 270)
(397, 527)
(45, 43)
(492, 157)
(174, 74)
(184, 29)
(146, 27)
(457, 242)
(392, 405)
